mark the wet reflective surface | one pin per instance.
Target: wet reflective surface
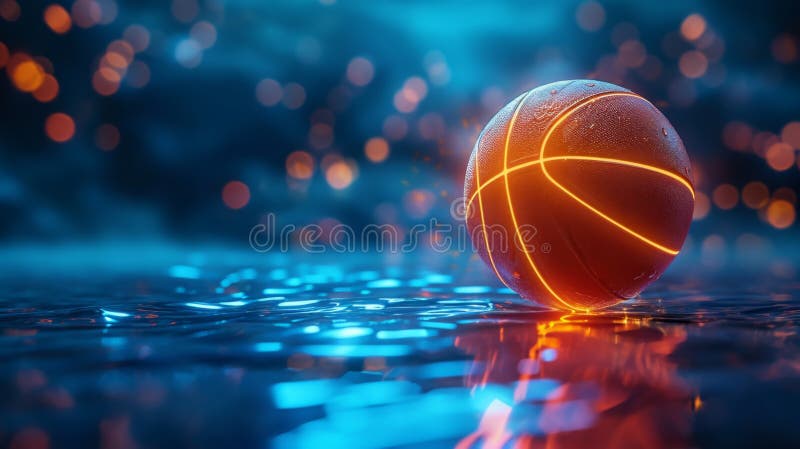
(294, 352)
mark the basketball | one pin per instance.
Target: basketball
(578, 194)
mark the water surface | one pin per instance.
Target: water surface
(369, 352)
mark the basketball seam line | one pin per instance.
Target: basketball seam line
(483, 219)
(511, 208)
(551, 129)
(542, 160)
(622, 162)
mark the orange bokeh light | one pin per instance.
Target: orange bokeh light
(339, 175)
(138, 74)
(59, 127)
(395, 127)
(784, 48)
(702, 206)
(693, 64)
(780, 214)
(785, 193)
(48, 90)
(737, 136)
(106, 137)
(590, 16)
(3, 55)
(123, 49)
(693, 26)
(725, 196)
(415, 89)
(269, 92)
(86, 13)
(632, 53)
(9, 10)
(138, 37)
(360, 71)
(791, 134)
(418, 202)
(236, 195)
(114, 60)
(300, 165)
(185, 10)
(27, 75)
(58, 19)
(376, 149)
(755, 195)
(320, 136)
(780, 156)
(102, 84)
(110, 74)
(294, 96)
(204, 33)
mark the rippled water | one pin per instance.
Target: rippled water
(365, 353)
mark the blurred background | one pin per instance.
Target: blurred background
(191, 120)
(156, 134)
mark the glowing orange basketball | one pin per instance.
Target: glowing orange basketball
(579, 194)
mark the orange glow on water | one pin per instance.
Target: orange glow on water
(300, 165)
(376, 149)
(594, 382)
(236, 195)
(59, 127)
(58, 19)
(48, 90)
